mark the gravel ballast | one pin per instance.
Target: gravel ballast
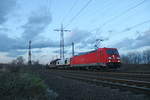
(69, 89)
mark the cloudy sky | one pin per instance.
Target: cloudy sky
(122, 24)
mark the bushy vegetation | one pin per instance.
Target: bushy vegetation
(17, 85)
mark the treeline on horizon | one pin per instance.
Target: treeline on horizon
(129, 58)
(136, 57)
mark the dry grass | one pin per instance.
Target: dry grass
(19, 83)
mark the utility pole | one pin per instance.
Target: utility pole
(62, 30)
(72, 49)
(29, 53)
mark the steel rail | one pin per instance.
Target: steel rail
(114, 73)
(136, 89)
(127, 81)
(120, 75)
(136, 86)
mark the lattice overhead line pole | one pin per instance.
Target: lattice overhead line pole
(29, 53)
(62, 30)
(72, 49)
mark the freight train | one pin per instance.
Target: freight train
(100, 58)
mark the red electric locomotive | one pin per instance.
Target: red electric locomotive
(100, 58)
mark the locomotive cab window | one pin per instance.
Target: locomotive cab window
(112, 52)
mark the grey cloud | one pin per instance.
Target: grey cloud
(58, 51)
(6, 43)
(36, 24)
(140, 41)
(5, 7)
(14, 53)
(124, 44)
(4, 29)
(82, 39)
(88, 43)
(45, 44)
(77, 36)
(38, 44)
(11, 46)
(37, 51)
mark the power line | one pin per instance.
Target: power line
(70, 10)
(102, 10)
(74, 17)
(134, 26)
(124, 12)
(49, 6)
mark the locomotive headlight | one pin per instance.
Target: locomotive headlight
(118, 57)
(109, 61)
(109, 58)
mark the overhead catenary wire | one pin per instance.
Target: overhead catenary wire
(121, 14)
(117, 16)
(49, 5)
(70, 10)
(107, 7)
(137, 25)
(132, 27)
(78, 13)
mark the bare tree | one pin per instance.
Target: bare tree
(125, 59)
(146, 56)
(18, 61)
(136, 57)
(14, 62)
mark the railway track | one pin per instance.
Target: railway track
(135, 76)
(105, 72)
(136, 86)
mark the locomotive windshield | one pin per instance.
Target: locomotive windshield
(112, 52)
